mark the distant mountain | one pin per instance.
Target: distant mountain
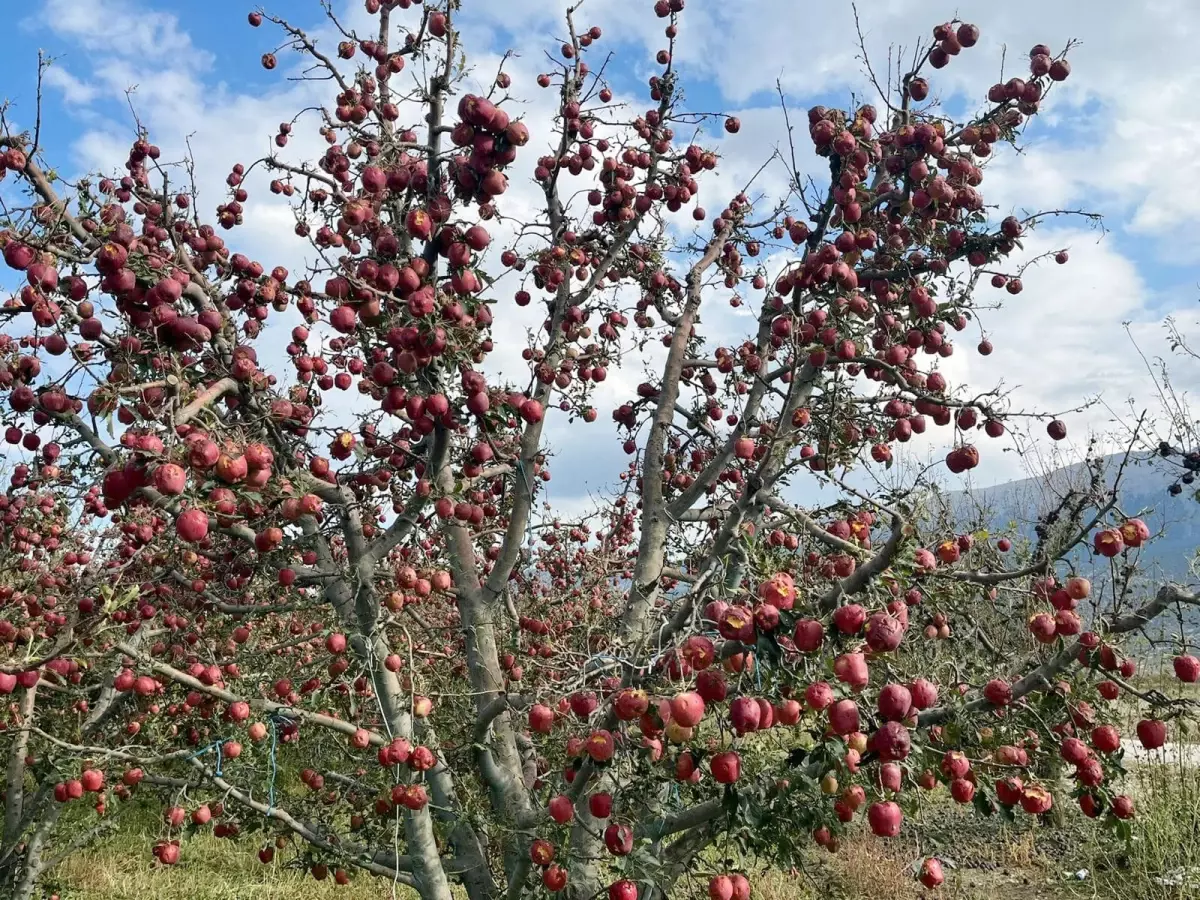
(1173, 521)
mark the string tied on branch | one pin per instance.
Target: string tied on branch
(218, 747)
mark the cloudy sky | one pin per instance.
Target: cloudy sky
(1119, 138)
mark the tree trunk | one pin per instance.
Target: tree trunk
(32, 868)
(15, 774)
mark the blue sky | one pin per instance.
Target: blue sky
(1118, 138)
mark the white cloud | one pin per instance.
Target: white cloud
(123, 27)
(73, 90)
(1135, 143)
(1058, 341)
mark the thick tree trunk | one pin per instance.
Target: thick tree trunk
(500, 760)
(676, 860)
(31, 870)
(587, 846)
(427, 870)
(14, 800)
(471, 863)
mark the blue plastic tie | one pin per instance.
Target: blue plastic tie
(529, 516)
(217, 746)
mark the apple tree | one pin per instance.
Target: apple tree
(274, 543)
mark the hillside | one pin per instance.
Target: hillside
(1174, 521)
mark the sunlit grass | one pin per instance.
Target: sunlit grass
(209, 869)
(1023, 862)
(1162, 859)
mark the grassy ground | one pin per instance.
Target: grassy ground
(864, 867)
(985, 860)
(210, 869)
(1165, 846)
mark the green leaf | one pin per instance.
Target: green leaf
(983, 804)
(1124, 830)
(126, 598)
(767, 649)
(730, 801)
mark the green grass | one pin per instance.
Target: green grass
(209, 869)
(994, 862)
(1165, 840)
(121, 867)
